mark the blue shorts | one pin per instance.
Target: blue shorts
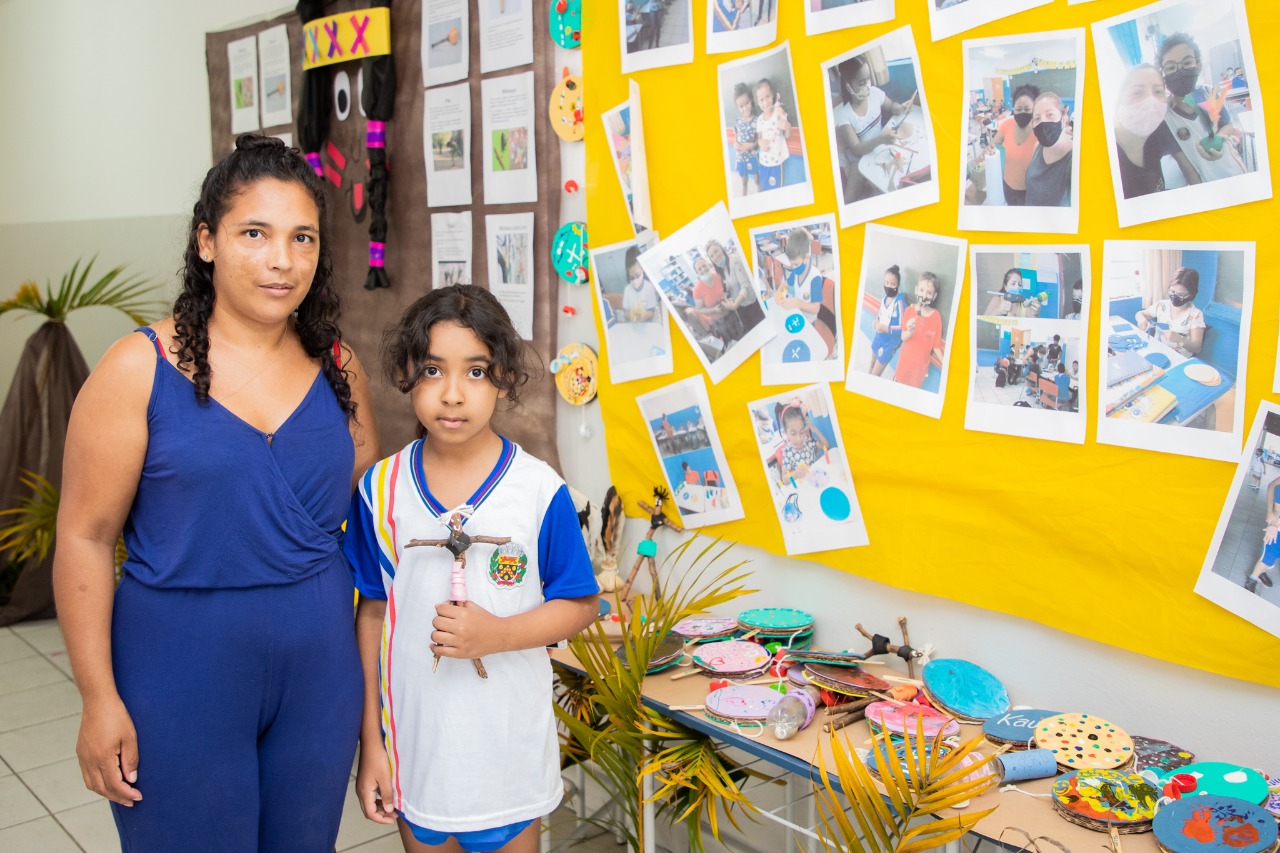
(770, 177)
(479, 841)
(1270, 553)
(748, 166)
(884, 346)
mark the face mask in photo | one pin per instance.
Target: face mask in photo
(1182, 81)
(1023, 119)
(1048, 133)
(1178, 299)
(1142, 118)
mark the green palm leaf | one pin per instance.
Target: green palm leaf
(32, 524)
(130, 295)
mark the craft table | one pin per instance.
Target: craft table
(872, 164)
(1189, 407)
(799, 757)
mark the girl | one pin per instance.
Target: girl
(198, 735)
(801, 449)
(772, 129)
(888, 322)
(921, 334)
(744, 136)
(860, 127)
(462, 761)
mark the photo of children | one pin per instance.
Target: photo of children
(1240, 571)
(510, 149)
(703, 278)
(905, 317)
(1182, 109)
(678, 419)
(637, 337)
(447, 151)
(797, 272)
(882, 145)
(948, 17)
(655, 33)
(765, 168)
(1028, 366)
(805, 464)
(740, 24)
(1018, 133)
(624, 133)
(824, 16)
(1175, 331)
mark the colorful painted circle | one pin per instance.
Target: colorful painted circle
(775, 619)
(1225, 779)
(1213, 823)
(565, 109)
(1105, 795)
(569, 252)
(575, 369)
(796, 352)
(835, 503)
(965, 689)
(795, 323)
(1083, 741)
(566, 23)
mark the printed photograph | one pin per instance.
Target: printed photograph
(1182, 109)
(511, 257)
(740, 24)
(1175, 331)
(655, 33)
(807, 470)
(765, 168)
(1240, 571)
(678, 418)
(704, 279)
(444, 43)
(797, 273)
(244, 92)
(510, 149)
(824, 16)
(906, 314)
(275, 88)
(1019, 162)
(882, 147)
(637, 337)
(447, 152)
(948, 17)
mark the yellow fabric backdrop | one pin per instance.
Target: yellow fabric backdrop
(1103, 542)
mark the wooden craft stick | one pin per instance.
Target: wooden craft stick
(832, 725)
(686, 674)
(685, 707)
(902, 623)
(750, 634)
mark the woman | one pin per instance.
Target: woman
(1142, 137)
(1049, 172)
(1014, 134)
(1002, 306)
(921, 334)
(740, 295)
(860, 127)
(1175, 320)
(220, 682)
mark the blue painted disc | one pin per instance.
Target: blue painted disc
(835, 503)
(795, 323)
(795, 352)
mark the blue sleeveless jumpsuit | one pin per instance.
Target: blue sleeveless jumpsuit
(232, 634)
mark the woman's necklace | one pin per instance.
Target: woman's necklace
(261, 370)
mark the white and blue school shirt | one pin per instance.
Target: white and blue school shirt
(467, 753)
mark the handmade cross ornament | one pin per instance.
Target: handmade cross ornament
(880, 645)
(647, 549)
(457, 544)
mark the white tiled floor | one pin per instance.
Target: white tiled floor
(44, 806)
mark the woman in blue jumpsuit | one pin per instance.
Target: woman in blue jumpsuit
(221, 685)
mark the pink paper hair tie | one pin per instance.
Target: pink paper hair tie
(313, 157)
(377, 253)
(376, 134)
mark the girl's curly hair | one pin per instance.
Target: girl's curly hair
(256, 158)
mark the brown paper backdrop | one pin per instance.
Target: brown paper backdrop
(365, 314)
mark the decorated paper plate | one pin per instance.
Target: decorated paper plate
(904, 754)
(1159, 755)
(964, 690)
(565, 22)
(1273, 797)
(1220, 778)
(1213, 824)
(706, 627)
(844, 680)
(900, 718)
(1205, 374)
(1015, 727)
(565, 109)
(798, 675)
(741, 702)
(730, 657)
(1084, 742)
(569, 252)
(775, 621)
(575, 370)
(1096, 798)
(666, 654)
(833, 658)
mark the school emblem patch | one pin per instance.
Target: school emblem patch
(508, 565)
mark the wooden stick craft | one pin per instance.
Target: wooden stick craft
(880, 645)
(647, 550)
(457, 544)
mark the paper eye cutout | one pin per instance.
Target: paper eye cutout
(360, 91)
(342, 95)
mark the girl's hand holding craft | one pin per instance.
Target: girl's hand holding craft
(372, 779)
(467, 631)
(108, 751)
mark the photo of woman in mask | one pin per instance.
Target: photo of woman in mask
(1143, 139)
(1014, 135)
(1174, 319)
(1048, 174)
(1002, 305)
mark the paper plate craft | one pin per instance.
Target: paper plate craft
(1015, 727)
(1205, 374)
(566, 23)
(575, 369)
(703, 628)
(1273, 797)
(1213, 823)
(798, 675)
(844, 680)
(833, 658)
(775, 621)
(565, 109)
(903, 754)
(731, 658)
(1158, 755)
(901, 718)
(1084, 742)
(963, 689)
(1095, 799)
(667, 653)
(741, 703)
(569, 252)
(1219, 778)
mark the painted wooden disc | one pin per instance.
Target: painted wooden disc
(742, 701)
(705, 626)
(905, 718)
(1159, 755)
(730, 656)
(774, 620)
(1084, 742)
(1016, 726)
(1105, 795)
(1221, 778)
(965, 689)
(1214, 823)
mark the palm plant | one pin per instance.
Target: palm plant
(32, 523)
(605, 721)
(127, 294)
(933, 778)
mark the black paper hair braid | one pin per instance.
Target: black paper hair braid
(256, 158)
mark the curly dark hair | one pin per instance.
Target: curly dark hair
(256, 158)
(406, 345)
(1027, 90)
